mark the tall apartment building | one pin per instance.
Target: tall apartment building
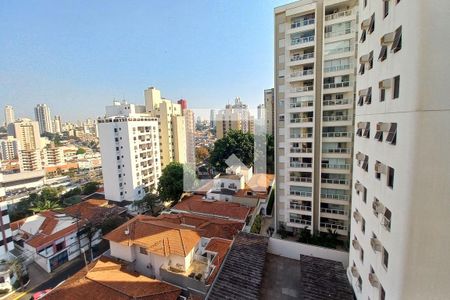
(43, 117)
(129, 145)
(57, 124)
(172, 129)
(9, 148)
(189, 118)
(314, 93)
(9, 115)
(6, 242)
(400, 202)
(27, 134)
(53, 156)
(212, 118)
(234, 117)
(269, 102)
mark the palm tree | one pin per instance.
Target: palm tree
(42, 205)
(17, 266)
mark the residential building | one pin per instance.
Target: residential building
(9, 148)
(9, 115)
(27, 134)
(190, 131)
(109, 278)
(172, 131)
(212, 118)
(261, 112)
(234, 117)
(269, 102)
(53, 156)
(43, 117)
(130, 151)
(400, 216)
(57, 124)
(6, 242)
(314, 91)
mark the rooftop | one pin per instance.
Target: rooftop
(109, 279)
(157, 236)
(93, 209)
(197, 205)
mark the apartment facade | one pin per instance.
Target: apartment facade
(399, 237)
(44, 118)
(27, 134)
(172, 127)
(9, 115)
(189, 118)
(9, 148)
(129, 145)
(57, 124)
(269, 102)
(314, 94)
(234, 117)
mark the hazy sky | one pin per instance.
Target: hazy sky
(77, 56)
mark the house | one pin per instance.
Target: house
(109, 278)
(170, 251)
(55, 237)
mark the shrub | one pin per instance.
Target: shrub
(256, 227)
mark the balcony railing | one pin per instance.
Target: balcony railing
(337, 68)
(337, 134)
(301, 135)
(302, 73)
(301, 104)
(335, 181)
(301, 120)
(302, 23)
(338, 50)
(337, 33)
(300, 207)
(301, 193)
(334, 211)
(336, 85)
(336, 118)
(337, 150)
(302, 57)
(335, 196)
(336, 102)
(302, 40)
(296, 164)
(333, 226)
(305, 88)
(301, 179)
(300, 221)
(301, 150)
(338, 15)
(335, 166)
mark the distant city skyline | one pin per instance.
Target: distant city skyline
(79, 57)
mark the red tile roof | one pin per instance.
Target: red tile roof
(195, 204)
(108, 279)
(93, 210)
(220, 246)
(157, 236)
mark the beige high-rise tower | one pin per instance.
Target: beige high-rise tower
(9, 115)
(172, 130)
(314, 100)
(234, 117)
(27, 134)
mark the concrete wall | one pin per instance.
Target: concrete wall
(122, 252)
(293, 250)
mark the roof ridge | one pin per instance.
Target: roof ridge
(182, 242)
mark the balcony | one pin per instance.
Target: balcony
(302, 23)
(335, 102)
(301, 57)
(300, 207)
(335, 196)
(302, 40)
(338, 50)
(300, 193)
(299, 221)
(332, 34)
(338, 15)
(300, 74)
(300, 179)
(336, 167)
(334, 211)
(337, 150)
(306, 88)
(300, 150)
(297, 164)
(337, 68)
(337, 85)
(337, 134)
(333, 226)
(335, 181)
(301, 135)
(302, 120)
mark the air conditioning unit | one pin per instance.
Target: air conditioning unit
(356, 245)
(354, 271)
(378, 207)
(357, 216)
(373, 279)
(376, 245)
(380, 168)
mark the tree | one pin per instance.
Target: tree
(17, 266)
(170, 185)
(150, 203)
(81, 151)
(43, 205)
(201, 153)
(90, 188)
(49, 193)
(111, 223)
(234, 142)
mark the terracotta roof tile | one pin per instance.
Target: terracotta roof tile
(108, 279)
(195, 204)
(94, 210)
(221, 246)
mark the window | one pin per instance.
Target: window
(390, 177)
(385, 258)
(382, 291)
(361, 255)
(364, 199)
(361, 100)
(387, 219)
(370, 60)
(366, 133)
(383, 53)
(361, 69)
(118, 157)
(377, 173)
(116, 139)
(115, 129)
(369, 96)
(363, 36)
(396, 93)
(363, 226)
(365, 164)
(365, 3)
(397, 44)
(372, 23)
(392, 135)
(143, 251)
(281, 118)
(382, 94)
(386, 8)
(379, 134)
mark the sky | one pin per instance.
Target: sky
(78, 56)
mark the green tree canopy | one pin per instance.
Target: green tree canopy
(90, 187)
(81, 151)
(171, 182)
(42, 205)
(150, 202)
(234, 142)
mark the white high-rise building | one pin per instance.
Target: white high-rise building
(401, 168)
(314, 95)
(57, 124)
(261, 112)
(9, 115)
(9, 148)
(27, 134)
(212, 118)
(234, 117)
(129, 145)
(6, 241)
(43, 117)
